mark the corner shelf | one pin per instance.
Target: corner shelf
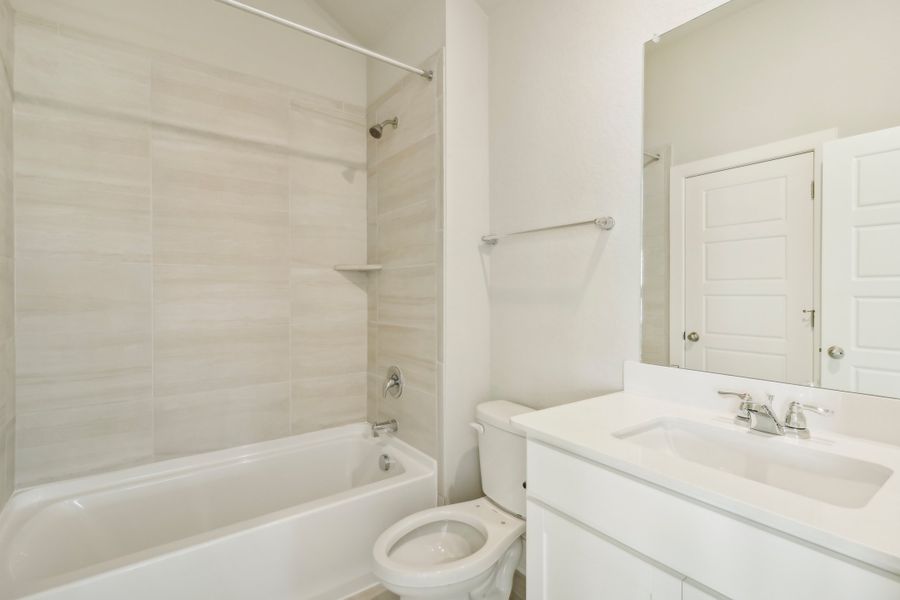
(358, 268)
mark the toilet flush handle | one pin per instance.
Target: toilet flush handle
(477, 427)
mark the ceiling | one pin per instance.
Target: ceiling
(368, 21)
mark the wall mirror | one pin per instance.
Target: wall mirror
(771, 233)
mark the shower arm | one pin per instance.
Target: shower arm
(429, 75)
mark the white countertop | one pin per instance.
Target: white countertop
(870, 534)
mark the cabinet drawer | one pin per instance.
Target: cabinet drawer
(727, 553)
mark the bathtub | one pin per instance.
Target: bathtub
(293, 518)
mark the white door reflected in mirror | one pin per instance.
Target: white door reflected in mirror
(771, 177)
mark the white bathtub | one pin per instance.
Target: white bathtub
(293, 518)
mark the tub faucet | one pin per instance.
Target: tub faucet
(393, 383)
(383, 427)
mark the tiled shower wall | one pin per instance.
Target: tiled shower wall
(176, 229)
(7, 317)
(405, 236)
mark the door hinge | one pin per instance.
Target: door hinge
(812, 190)
(812, 316)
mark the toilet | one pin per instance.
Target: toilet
(469, 550)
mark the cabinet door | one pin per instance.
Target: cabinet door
(567, 561)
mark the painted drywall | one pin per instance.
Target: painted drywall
(466, 352)
(222, 36)
(823, 64)
(413, 38)
(566, 135)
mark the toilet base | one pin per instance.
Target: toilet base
(493, 585)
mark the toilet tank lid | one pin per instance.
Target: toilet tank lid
(499, 412)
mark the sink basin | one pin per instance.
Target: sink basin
(837, 480)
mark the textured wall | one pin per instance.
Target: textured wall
(405, 232)
(177, 225)
(7, 340)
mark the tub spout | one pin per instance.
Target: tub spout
(383, 427)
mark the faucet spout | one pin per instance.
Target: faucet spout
(762, 418)
(383, 427)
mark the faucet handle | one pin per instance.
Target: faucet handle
(746, 399)
(795, 419)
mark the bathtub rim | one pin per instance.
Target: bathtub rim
(417, 466)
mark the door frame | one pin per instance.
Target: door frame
(678, 176)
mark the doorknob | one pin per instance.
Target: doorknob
(836, 352)
(693, 336)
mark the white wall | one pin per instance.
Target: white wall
(566, 134)
(466, 355)
(775, 70)
(228, 38)
(414, 37)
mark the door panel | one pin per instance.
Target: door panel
(861, 263)
(748, 265)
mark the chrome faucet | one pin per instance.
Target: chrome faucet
(762, 417)
(795, 420)
(383, 427)
(393, 384)
(746, 401)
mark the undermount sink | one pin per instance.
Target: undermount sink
(837, 480)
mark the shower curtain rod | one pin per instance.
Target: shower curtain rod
(429, 75)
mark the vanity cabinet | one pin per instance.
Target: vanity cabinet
(568, 561)
(596, 532)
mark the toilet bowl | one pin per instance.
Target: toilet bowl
(469, 550)
(461, 551)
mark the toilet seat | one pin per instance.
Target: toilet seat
(467, 523)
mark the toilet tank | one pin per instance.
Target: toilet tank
(501, 453)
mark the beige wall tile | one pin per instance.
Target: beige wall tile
(416, 412)
(415, 104)
(63, 145)
(413, 350)
(205, 421)
(66, 370)
(407, 236)
(319, 134)
(6, 167)
(7, 460)
(328, 323)
(7, 298)
(408, 296)
(7, 381)
(83, 333)
(219, 327)
(85, 73)
(215, 101)
(66, 443)
(321, 402)
(84, 220)
(328, 213)
(408, 177)
(218, 202)
(7, 23)
(77, 297)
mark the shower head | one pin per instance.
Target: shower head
(376, 131)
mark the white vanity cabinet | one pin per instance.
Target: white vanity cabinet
(567, 561)
(597, 533)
